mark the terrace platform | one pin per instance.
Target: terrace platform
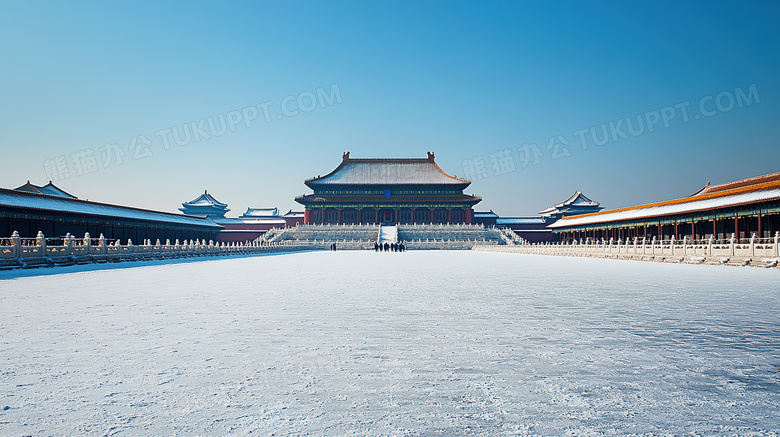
(414, 236)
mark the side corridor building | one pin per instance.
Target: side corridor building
(743, 208)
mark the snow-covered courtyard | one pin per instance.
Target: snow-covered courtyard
(416, 343)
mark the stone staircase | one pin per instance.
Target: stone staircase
(388, 234)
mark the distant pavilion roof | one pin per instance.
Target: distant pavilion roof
(577, 199)
(48, 190)
(732, 194)
(293, 214)
(261, 212)
(387, 171)
(205, 199)
(205, 204)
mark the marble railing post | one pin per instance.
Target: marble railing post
(733, 243)
(652, 246)
(753, 244)
(16, 240)
(87, 242)
(103, 248)
(68, 243)
(709, 245)
(41, 240)
(777, 244)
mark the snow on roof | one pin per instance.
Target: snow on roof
(48, 190)
(689, 204)
(388, 171)
(205, 199)
(292, 213)
(20, 199)
(576, 199)
(261, 212)
(483, 214)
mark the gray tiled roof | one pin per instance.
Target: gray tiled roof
(17, 199)
(388, 172)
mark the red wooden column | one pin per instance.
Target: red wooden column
(676, 235)
(430, 215)
(449, 215)
(736, 226)
(306, 216)
(340, 220)
(714, 228)
(760, 226)
(693, 231)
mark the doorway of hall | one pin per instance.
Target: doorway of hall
(387, 217)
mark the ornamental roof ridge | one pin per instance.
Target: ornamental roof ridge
(46, 190)
(584, 200)
(29, 188)
(430, 158)
(707, 189)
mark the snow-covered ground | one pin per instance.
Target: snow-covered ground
(416, 343)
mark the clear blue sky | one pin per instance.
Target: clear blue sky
(467, 80)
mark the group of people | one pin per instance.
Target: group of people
(381, 247)
(389, 247)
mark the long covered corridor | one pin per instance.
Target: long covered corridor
(743, 209)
